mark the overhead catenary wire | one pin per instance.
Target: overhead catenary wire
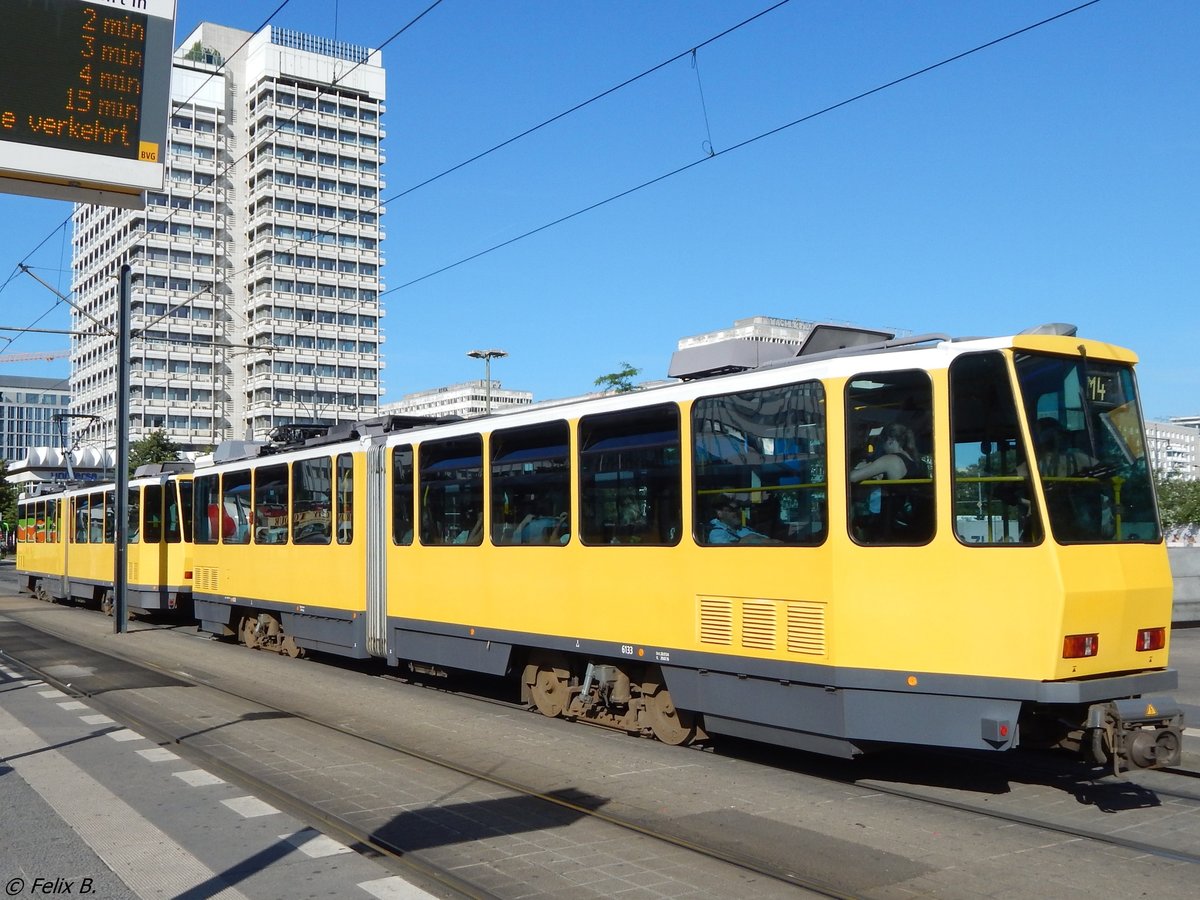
(646, 184)
(741, 145)
(320, 90)
(464, 163)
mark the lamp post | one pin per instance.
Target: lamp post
(487, 356)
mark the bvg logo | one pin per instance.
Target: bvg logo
(147, 152)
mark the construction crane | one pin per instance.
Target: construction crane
(29, 357)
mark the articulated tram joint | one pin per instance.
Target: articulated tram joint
(1138, 733)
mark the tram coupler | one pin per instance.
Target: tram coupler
(1138, 733)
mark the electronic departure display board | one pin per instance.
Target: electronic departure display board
(84, 92)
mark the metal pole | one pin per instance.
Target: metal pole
(121, 530)
(487, 386)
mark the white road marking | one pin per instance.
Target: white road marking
(127, 843)
(125, 734)
(312, 843)
(250, 807)
(394, 888)
(198, 778)
(157, 754)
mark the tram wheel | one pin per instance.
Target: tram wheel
(108, 604)
(289, 646)
(248, 631)
(549, 688)
(670, 725)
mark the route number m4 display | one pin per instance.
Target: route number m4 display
(84, 93)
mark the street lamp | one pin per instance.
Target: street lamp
(487, 356)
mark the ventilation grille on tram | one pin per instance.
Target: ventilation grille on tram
(757, 624)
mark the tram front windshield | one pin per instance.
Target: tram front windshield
(1086, 424)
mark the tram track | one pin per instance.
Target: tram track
(400, 855)
(934, 794)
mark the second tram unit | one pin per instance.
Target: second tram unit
(65, 540)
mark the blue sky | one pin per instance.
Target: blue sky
(1052, 177)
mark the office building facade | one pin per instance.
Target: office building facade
(257, 270)
(465, 400)
(31, 411)
(1173, 449)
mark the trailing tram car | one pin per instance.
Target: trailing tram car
(928, 541)
(65, 541)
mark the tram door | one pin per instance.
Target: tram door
(377, 521)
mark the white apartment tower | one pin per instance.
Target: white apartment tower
(256, 271)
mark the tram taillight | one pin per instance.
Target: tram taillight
(1151, 639)
(1078, 645)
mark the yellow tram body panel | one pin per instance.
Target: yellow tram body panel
(313, 577)
(954, 544)
(306, 576)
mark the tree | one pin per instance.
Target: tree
(153, 448)
(1178, 501)
(8, 499)
(620, 382)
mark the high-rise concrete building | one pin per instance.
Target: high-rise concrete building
(256, 271)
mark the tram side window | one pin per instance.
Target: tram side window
(42, 522)
(889, 450)
(235, 508)
(172, 521)
(759, 460)
(630, 477)
(345, 498)
(271, 504)
(96, 519)
(531, 485)
(25, 514)
(152, 514)
(402, 495)
(80, 513)
(993, 497)
(110, 517)
(206, 509)
(133, 518)
(52, 514)
(312, 513)
(451, 483)
(185, 508)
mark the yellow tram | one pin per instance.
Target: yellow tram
(65, 540)
(928, 541)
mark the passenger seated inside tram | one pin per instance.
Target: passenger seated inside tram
(539, 529)
(726, 525)
(472, 535)
(899, 512)
(898, 460)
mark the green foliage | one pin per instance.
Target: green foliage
(621, 381)
(153, 448)
(8, 498)
(1178, 501)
